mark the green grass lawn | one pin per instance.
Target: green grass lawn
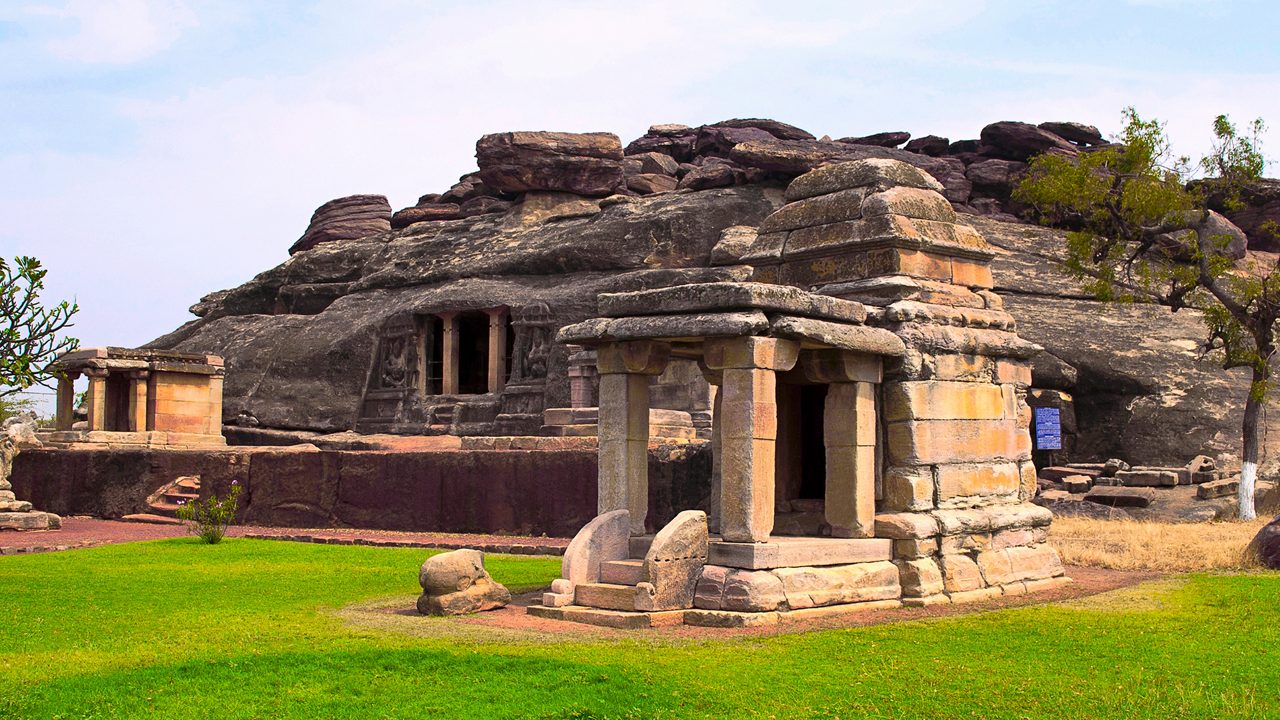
(249, 629)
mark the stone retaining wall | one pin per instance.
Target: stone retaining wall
(524, 492)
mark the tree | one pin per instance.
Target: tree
(1141, 232)
(30, 334)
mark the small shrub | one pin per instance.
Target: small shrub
(209, 518)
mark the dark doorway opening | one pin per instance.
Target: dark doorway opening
(117, 419)
(473, 356)
(813, 448)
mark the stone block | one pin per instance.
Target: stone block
(1218, 488)
(1144, 477)
(943, 400)
(673, 564)
(968, 368)
(908, 489)
(877, 173)
(916, 203)
(906, 526)
(969, 274)
(798, 552)
(728, 619)
(971, 482)
(930, 442)
(1057, 473)
(753, 591)
(960, 573)
(709, 592)
(920, 577)
(819, 586)
(915, 548)
(1002, 567)
(1077, 483)
(1027, 487)
(819, 210)
(1014, 372)
(966, 543)
(1121, 496)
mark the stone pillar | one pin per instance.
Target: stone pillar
(497, 349)
(66, 401)
(582, 377)
(138, 401)
(452, 354)
(215, 403)
(626, 369)
(849, 429)
(748, 430)
(96, 400)
(849, 434)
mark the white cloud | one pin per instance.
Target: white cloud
(117, 32)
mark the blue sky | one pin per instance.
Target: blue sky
(152, 151)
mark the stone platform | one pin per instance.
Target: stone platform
(783, 552)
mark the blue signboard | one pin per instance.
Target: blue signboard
(1048, 428)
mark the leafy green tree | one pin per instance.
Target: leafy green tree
(1141, 232)
(31, 335)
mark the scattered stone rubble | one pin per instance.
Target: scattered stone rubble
(456, 583)
(17, 434)
(1198, 491)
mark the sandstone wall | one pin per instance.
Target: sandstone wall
(521, 492)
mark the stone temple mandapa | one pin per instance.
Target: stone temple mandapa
(866, 369)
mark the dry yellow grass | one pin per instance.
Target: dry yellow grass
(1164, 547)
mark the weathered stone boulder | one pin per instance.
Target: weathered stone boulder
(883, 139)
(346, 218)
(456, 583)
(1261, 206)
(780, 130)
(1075, 132)
(1021, 141)
(1267, 545)
(931, 145)
(1215, 231)
(674, 140)
(581, 163)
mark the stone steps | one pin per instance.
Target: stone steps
(605, 596)
(622, 572)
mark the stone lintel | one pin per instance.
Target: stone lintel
(966, 341)
(811, 333)
(722, 296)
(780, 552)
(686, 327)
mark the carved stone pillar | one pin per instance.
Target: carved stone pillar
(452, 354)
(66, 401)
(497, 349)
(96, 400)
(748, 430)
(138, 401)
(626, 369)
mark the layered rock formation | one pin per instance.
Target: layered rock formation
(679, 205)
(345, 218)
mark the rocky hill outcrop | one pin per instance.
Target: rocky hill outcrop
(559, 218)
